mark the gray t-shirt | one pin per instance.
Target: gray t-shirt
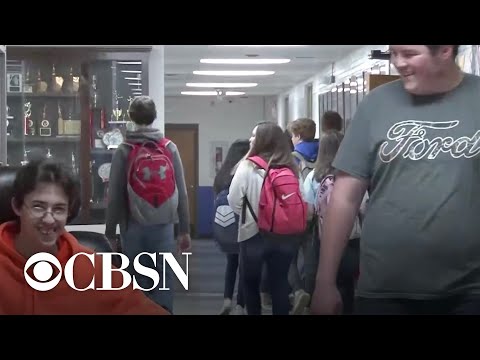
(421, 154)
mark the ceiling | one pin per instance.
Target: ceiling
(306, 61)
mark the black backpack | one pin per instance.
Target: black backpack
(225, 224)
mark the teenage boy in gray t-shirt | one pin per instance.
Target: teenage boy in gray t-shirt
(415, 144)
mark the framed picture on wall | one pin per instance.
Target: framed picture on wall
(218, 152)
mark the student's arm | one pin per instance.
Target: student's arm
(342, 210)
(238, 186)
(117, 188)
(183, 206)
(354, 161)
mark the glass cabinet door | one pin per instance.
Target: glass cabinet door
(71, 104)
(113, 86)
(43, 111)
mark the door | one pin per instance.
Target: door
(185, 136)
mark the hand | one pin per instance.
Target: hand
(184, 243)
(326, 300)
(113, 244)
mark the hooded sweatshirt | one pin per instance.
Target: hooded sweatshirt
(18, 298)
(308, 149)
(117, 207)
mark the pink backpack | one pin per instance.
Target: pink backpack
(323, 196)
(324, 192)
(281, 210)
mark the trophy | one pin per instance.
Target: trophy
(74, 164)
(70, 126)
(94, 92)
(41, 86)
(71, 84)
(29, 125)
(117, 112)
(56, 82)
(130, 125)
(76, 83)
(45, 129)
(27, 87)
(60, 121)
(9, 122)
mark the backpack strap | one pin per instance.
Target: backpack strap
(164, 142)
(246, 204)
(257, 160)
(298, 156)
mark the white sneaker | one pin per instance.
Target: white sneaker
(238, 310)
(302, 299)
(227, 307)
(266, 300)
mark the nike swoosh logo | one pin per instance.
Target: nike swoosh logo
(285, 197)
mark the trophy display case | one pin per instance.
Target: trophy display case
(70, 104)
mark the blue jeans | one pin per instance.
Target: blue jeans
(231, 278)
(151, 239)
(277, 256)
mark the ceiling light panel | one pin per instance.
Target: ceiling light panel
(245, 61)
(264, 45)
(222, 85)
(211, 93)
(129, 62)
(234, 72)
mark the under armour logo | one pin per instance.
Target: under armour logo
(162, 171)
(146, 174)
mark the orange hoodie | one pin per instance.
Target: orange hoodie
(18, 298)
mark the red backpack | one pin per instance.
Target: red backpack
(151, 182)
(281, 210)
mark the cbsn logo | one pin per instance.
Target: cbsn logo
(44, 262)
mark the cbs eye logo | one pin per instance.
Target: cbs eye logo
(43, 271)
